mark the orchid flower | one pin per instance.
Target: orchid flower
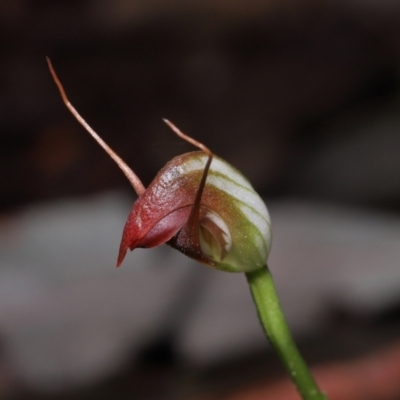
(199, 204)
(205, 208)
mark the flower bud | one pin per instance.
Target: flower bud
(231, 229)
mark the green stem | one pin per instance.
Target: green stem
(271, 316)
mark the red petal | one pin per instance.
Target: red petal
(161, 232)
(164, 230)
(171, 201)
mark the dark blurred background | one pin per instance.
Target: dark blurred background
(283, 90)
(301, 96)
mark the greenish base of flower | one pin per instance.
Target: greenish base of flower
(273, 322)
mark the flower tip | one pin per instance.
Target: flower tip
(121, 254)
(170, 124)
